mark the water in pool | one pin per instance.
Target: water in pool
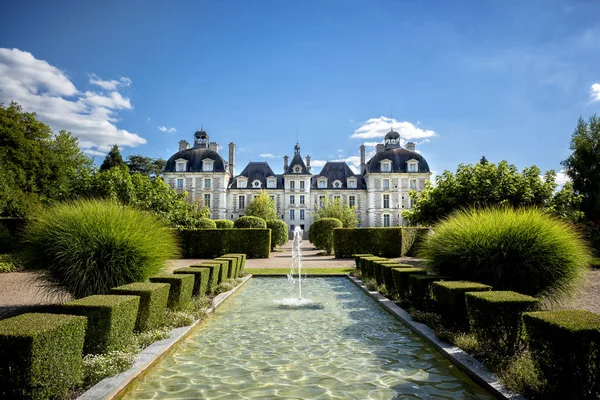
(349, 348)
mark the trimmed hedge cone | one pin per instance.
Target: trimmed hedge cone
(41, 355)
(201, 279)
(153, 303)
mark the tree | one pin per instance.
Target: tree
(582, 165)
(112, 159)
(485, 184)
(262, 206)
(145, 165)
(338, 210)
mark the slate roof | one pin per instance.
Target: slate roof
(399, 157)
(296, 160)
(194, 156)
(260, 171)
(337, 170)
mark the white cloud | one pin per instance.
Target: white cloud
(317, 163)
(165, 129)
(45, 89)
(94, 153)
(378, 127)
(109, 85)
(595, 92)
(267, 155)
(562, 178)
(371, 144)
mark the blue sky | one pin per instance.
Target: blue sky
(505, 79)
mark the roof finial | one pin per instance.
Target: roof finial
(391, 119)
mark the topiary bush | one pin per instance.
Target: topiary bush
(421, 296)
(279, 232)
(401, 278)
(88, 247)
(223, 223)
(523, 250)
(241, 260)
(205, 223)
(357, 258)
(213, 277)
(250, 222)
(322, 233)
(180, 291)
(451, 303)
(233, 266)
(40, 355)
(153, 303)
(201, 279)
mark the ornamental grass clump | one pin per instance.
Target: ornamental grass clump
(521, 250)
(88, 247)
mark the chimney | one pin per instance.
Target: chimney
(214, 146)
(232, 159)
(410, 146)
(285, 163)
(308, 163)
(363, 165)
(379, 147)
(183, 145)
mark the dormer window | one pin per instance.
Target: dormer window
(207, 165)
(386, 166)
(297, 169)
(242, 182)
(351, 183)
(271, 183)
(181, 165)
(337, 184)
(322, 183)
(256, 184)
(413, 166)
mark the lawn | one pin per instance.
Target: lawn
(305, 271)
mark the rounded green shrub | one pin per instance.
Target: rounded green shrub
(205, 223)
(279, 232)
(250, 222)
(322, 233)
(224, 223)
(88, 247)
(522, 250)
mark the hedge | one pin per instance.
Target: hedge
(241, 260)
(321, 233)
(384, 242)
(496, 319)
(211, 243)
(224, 223)
(205, 223)
(223, 268)
(232, 266)
(180, 290)
(279, 232)
(153, 303)
(368, 268)
(383, 271)
(401, 281)
(357, 258)
(41, 355)
(213, 277)
(10, 232)
(201, 279)
(110, 320)
(565, 345)
(420, 291)
(250, 222)
(450, 301)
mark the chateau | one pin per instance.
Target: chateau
(379, 192)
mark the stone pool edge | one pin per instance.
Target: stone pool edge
(462, 360)
(110, 387)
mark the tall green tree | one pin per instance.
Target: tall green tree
(338, 210)
(583, 165)
(487, 184)
(112, 159)
(145, 165)
(262, 206)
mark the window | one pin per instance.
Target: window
(301, 199)
(412, 167)
(207, 183)
(321, 201)
(301, 214)
(180, 167)
(179, 183)
(241, 202)
(410, 203)
(352, 201)
(386, 201)
(336, 198)
(207, 200)
(413, 183)
(386, 183)
(256, 184)
(386, 166)
(271, 183)
(297, 169)
(242, 183)
(292, 185)
(352, 184)
(292, 215)
(322, 184)
(207, 165)
(386, 220)
(301, 184)
(292, 199)
(337, 184)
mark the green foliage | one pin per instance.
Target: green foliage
(146, 338)
(482, 185)
(99, 366)
(205, 223)
(524, 250)
(223, 268)
(322, 233)
(232, 263)
(338, 210)
(401, 278)
(521, 375)
(41, 355)
(88, 247)
(263, 207)
(565, 346)
(10, 233)
(250, 222)
(178, 318)
(308, 271)
(228, 285)
(145, 165)
(214, 277)
(37, 167)
(421, 296)
(241, 259)
(208, 243)
(357, 257)
(279, 232)
(10, 263)
(384, 242)
(201, 279)
(153, 303)
(180, 291)
(450, 300)
(496, 319)
(110, 320)
(112, 159)
(386, 272)
(224, 223)
(581, 165)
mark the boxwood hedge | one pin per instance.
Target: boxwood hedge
(401, 281)
(110, 320)
(153, 302)
(357, 258)
(180, 291)
(41, 355)
(224, 223)
(210, 243)
(231, 265)
(367, 265)
(213, 277)
(421, 296)
(223, 269)
(384, 242)
(450, 301)
(241, 260)
(201, 279)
